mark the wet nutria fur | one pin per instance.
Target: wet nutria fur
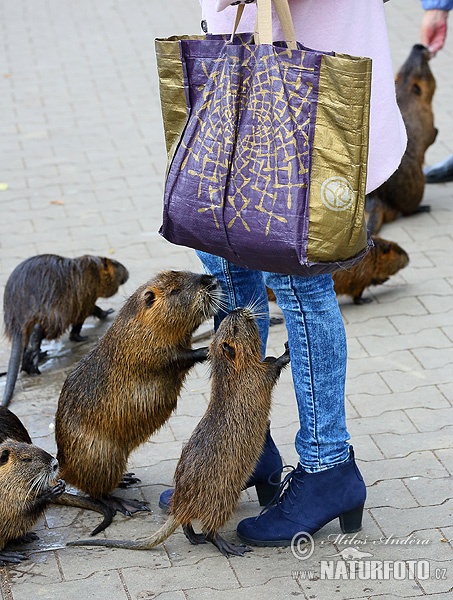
(402, 193)
(224, 448)
(127, 387)
(12, 427)
(47, 294)
(28, 484)
(383, 260)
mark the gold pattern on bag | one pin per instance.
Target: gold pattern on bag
(254, 159)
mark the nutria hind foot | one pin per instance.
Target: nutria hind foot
(112, 505)
(359, 300)
(227, 548)
(102, 314)
(128, 479)
(194, 538)
(123, 505)
(8, 558)
(424, 208)
(75, 336)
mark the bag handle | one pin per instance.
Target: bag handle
(263, 25)
(239, 12)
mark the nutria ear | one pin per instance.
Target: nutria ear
(150, 296)
(229, 350)
(4, 457)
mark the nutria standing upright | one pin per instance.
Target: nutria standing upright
(403, 192)
(224, 448)
(127, 387)
(382, 261)
(47, 294)
(28, 484)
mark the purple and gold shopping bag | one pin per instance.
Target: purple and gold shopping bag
(267, 151)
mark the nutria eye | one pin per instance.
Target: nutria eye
(4, 457)
(417, 89)
(26, 460)
(175, 292)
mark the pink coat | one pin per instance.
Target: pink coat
(354, 27)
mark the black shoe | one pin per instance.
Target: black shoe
(440, 172)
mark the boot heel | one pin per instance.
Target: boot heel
(266, 493)
(351, 521)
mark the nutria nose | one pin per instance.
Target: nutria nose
(54, 465)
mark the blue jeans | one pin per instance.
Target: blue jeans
(317, 344)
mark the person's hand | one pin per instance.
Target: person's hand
(434, 30)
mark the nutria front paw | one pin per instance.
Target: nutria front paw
(56, 490)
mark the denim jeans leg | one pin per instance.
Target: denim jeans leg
(242, 287)
(317, 344)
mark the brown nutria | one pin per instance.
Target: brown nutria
(383, 260)
(127, 387)
(28, 483)
(402, 193)
(47, 294)
(225, 446)
(12, 428)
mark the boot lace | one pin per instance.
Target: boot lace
(287, 490)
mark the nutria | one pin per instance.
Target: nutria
(383, 260)
(402, 193)
(127, 387)
(47, 294)
(224, 448)
(28, 484)
(12, 428)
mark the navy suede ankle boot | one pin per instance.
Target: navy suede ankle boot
(266, 476)
(308, 502)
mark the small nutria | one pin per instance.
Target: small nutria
(47, 294)
(402, 193)
(383, 260)
(224, 448)
(28, 484)
(127, 387)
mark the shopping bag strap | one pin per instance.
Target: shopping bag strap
(239, 12)
(263, 25)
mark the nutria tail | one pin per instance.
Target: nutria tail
(87, 503)
(146, 544)
(17, 350)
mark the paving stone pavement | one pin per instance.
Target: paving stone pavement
(82, 152)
